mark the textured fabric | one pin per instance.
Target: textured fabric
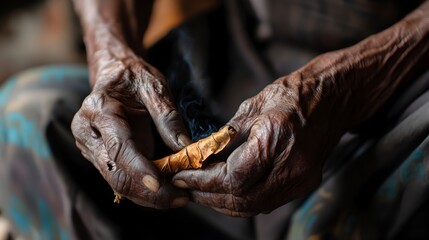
(375, 185)
(49, 191)
(375, 182)
(326, 24)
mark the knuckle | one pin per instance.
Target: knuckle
(79, 128)
(246, 106)
(120, 182)
(237, 204)
(235, 185)
(93, 102)
(154, 85)
(168, 114)
(76, 124)
(114, 146)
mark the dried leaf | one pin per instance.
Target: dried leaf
(193, 156)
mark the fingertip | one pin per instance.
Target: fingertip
(180, 184)
(174, 134)
(183, 140)
(151, 183)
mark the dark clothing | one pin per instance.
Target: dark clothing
(375, 183)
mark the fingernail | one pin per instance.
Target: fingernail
(183, 141)
(180, 202)
(151, 183)
(180, 184)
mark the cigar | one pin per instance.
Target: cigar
(193, 156)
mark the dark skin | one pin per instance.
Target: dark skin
(112, 127)
(289, 127)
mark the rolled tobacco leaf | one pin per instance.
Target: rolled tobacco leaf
(193, 156)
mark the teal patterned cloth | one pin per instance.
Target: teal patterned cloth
(47, 189)
(32, 195)
(375, 184)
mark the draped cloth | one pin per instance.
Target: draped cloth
(375, 182)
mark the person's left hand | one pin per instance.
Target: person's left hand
(289, 128)
(292, 125)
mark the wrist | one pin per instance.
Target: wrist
(320, 92)
(123, 20)
(361, 78)
(107, 60)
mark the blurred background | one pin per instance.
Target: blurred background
(37, 32)
(34, 33)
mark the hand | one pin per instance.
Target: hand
(293, 123)
(112, 130)
(290, 127)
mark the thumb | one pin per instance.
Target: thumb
(244, 117)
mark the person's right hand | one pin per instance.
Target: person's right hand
(112, 130)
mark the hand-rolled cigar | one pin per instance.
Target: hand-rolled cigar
(193, 156)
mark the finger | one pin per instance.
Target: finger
(245, 117)
(225, 203)
(245, 166)
(132, 177)
(167, 119)
(137, 190)
(116, 136)
(88, 140)
(125, 168)
(85, 136)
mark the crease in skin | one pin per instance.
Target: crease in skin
(193, 156)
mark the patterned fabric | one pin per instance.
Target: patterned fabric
(375, 182)
(48, 190)
(374, 186)
(31, 184)
(380, 188)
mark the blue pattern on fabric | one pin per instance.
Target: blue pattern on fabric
(47, 219)
(411, 170)
(49, 228)
(22, 132)
(19, 217)
(60, 73)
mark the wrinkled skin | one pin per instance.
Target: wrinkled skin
(291, 126)
(286, 131)
(112, 130)
(281, 159)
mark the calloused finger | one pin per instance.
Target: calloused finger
(121, 150)
(228, 204)
(137, 190)
(245, 166)
(167, 119)
(87, 139)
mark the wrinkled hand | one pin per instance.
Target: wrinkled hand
(289, 128)
(112, 130)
